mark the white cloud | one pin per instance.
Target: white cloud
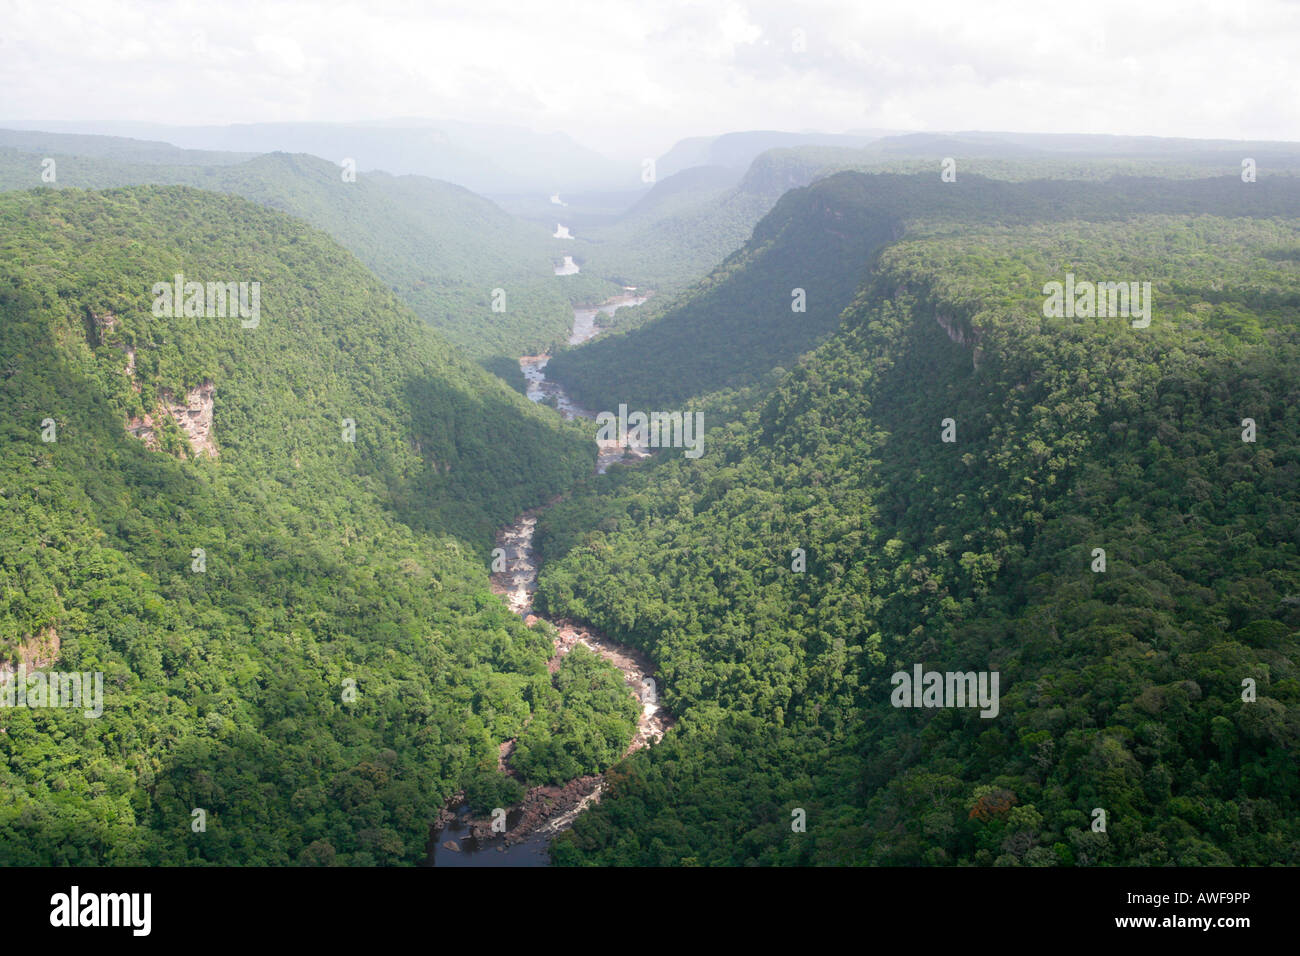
(631, 77)
(281, 54)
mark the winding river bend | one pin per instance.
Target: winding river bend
(546, 811)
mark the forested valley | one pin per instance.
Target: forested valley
(833, 537)
(354, 565)
(293, 618)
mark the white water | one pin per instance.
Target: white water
(541, 390)
(517, 584)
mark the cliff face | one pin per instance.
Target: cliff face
(193, 416)
(957, 331)
(35, 652)
(961, 333)
(143, 428)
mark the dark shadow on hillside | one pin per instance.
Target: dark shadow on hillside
(484, 460)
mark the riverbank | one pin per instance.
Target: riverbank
(463, 840)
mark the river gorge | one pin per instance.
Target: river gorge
(463, 840)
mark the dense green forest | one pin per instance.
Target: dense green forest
(735, 327)
(691, 221)
(296, 633)
(1122, 690)
(296, 629)
(441, 249)
(583, 722)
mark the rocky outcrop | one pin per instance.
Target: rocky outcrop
(448, 811)
(193, 417)
(103, 325)
(36, 652)
(961, 332)
(546, 809)
(143, 428)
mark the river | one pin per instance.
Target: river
(542, 390)
(547, 811)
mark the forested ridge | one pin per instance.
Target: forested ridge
(732, 328)
(297, 635)
(690, 222)
(442, 249)
(1122, 690)
(334, 667)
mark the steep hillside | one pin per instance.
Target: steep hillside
(1149, 707)
(441, 248)
(666, 245)
(689, 222)
(739, 323)
(266, 530)
(679, 192)
(685, 227)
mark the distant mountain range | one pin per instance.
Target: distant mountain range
(492, 160)
(439, 246)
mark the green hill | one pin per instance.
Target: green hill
(1126, 691)
(694, 217)
(733, 328)
(442, 249)
(294, 629)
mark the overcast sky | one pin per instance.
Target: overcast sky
(631, 78)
